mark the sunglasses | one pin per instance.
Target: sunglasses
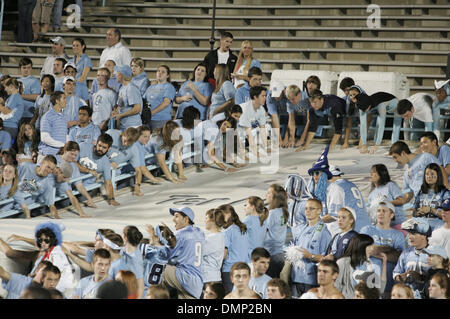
(316, 173)
(45, 240)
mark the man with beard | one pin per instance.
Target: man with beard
(93, 161)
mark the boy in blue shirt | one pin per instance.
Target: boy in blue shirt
(31, 88)
(258, 281)
(254, 79)
(85, 133)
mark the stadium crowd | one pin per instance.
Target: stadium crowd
(311, 240)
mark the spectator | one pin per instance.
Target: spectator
(112, 290)
(112, 82)
(58, 71)
(311, 240)
(254, 117)
(88, 286)
(417, 112)
(382, 188)
(41, 17)
(277, 219)
(160, 97)
(57, 13)
(429, 144)
(144, 138)
(58, 51)
(327, 273)
(402, 291)
(442, 102)
(440, 287)
(131, 258)
(240, 277)
(195, 92)
(85, 133)
(236, 244)
(24, 27)
(140, 78)
(156, 254)
(413, 176)
(260, 261)
(115, 50)
(244, 63)
(35, 180)
(42, 104)
(80, 88)
(432, 193)
(254, 80)
(12, 110)
(184, 273)
(223, 95)
(73, 101)
(441, 236)
(346, 218)
(103, 100)
(278, 289)
(5, 138)
(9, 188)
(297, 190)
(323, 106)
(221, 55)
(378, 103)
(191, 118)
(276, 103)
(96, 153)
(35, 292)
(129, 279)
(341, 192)
(256, 221)
(54, 126)
(82, 62)
(320, 175)
(213, 290)
(438, 261)
(27, 143)
(213, 251)
(350, 109)
(364, 292)
(158, 292)
(129, 102)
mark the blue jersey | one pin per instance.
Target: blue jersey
(315, 239)
(87, 287)
(434, 201)
(155, 261)
(411, 259)
(155, 96)
(387, 192)
(339, 244)
(237, 245)
(413, 175)
(344, 193)
(256, 232)
(187, 257)
(276, 232)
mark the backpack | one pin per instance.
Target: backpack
(146, 114)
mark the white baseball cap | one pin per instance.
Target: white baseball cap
(68, 78)
(276, 87)
(335, 171)
(59, 40)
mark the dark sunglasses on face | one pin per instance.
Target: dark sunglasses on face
(316, 173)
(45, 240)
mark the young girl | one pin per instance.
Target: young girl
(27, 142)
(156, 254)
(165, 140)
(256, 221)
(438, 262)
(402, 291)
(160, 97)
(440, 287)
(11, 112)
(384, 189)
(195, 92)
(223, 95)
(431, 195)
(140, 78)
(236, 244)
(42, 103)
(214, 246)
(275, 237)
(9, 181)
(245, 61)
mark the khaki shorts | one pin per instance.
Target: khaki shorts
(170, 279)
(43, 11)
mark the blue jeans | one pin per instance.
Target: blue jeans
(57, 11)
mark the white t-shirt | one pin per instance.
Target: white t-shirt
(441, 237)
(422, 110)
(223, 57)
(250, 117)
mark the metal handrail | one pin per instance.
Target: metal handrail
(1, 18)
(212, 40)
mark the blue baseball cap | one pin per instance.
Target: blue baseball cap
(124, 69)
(446, 204)
(436, 250)
(417, 225)
(185, 210)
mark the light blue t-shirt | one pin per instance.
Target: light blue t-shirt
(112, 84)
(155, 95)
(142, 82)
(31, 85)
(103, 165)
(16, 285)
(225, 93)
(103, 102)
(154, 146)
(16, 104)
(259, 285)
(119, 153)
(87, 288)
(84, 62)
(444, 156)
(84, 136)
(5, 140)
(242, 94)
(18, 197)
(388, 192)
(276, 232)
(204, 88)
(73, 105)
(129, 261)
(237, 245)
(213, 253)
(129, 95)
(256, 232)
(41, 188)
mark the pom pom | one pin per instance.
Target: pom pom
(295, 257)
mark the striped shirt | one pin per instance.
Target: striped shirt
(55, 124)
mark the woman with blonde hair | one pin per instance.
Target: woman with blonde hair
(244, 62)
(223, 95)
(9, 188)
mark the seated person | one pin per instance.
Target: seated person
(5, 138)
(86, 132)
(254, 79)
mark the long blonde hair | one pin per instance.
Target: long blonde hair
(223, 74)
(240, 58)
(15, 182)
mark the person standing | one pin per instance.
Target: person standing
(24, 27)
(115, 50)
(57, 52)
(221, 55)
